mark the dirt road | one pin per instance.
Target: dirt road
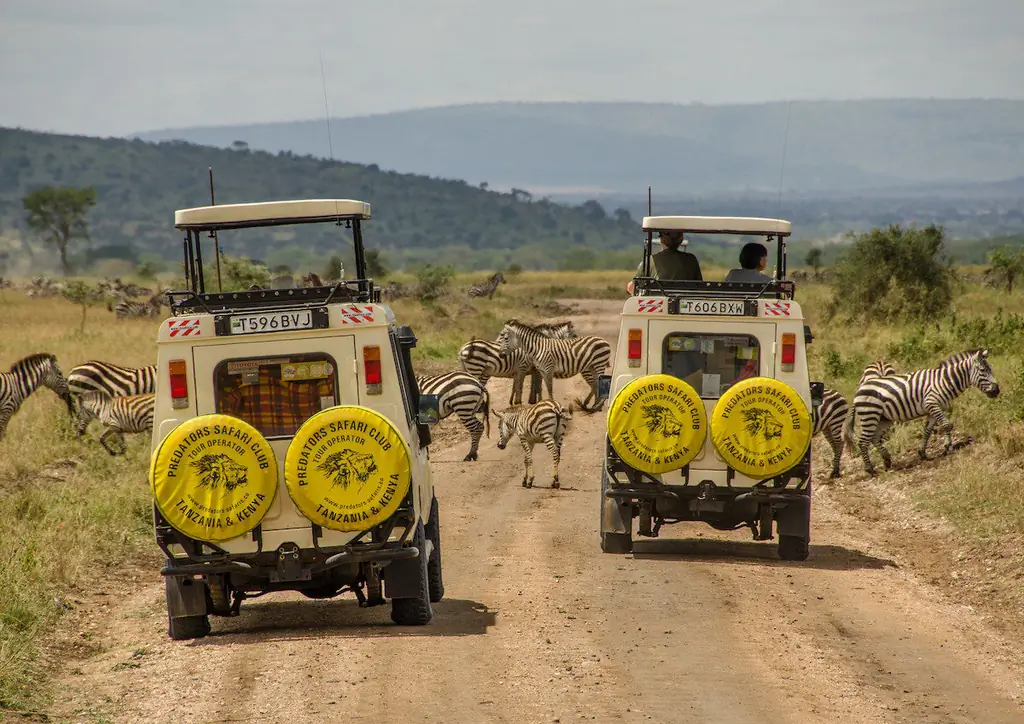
(540, 626)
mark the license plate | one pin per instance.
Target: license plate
(272, 322)
(724, 308)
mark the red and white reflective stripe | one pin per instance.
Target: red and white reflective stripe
(184, 327)
(776, 309)
(356, 314)
(650, 305)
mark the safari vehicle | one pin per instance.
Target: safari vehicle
(288, 449)
(710, 414)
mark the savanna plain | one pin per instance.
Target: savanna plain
(909, 609)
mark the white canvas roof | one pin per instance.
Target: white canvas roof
(717, 225)
(270, 212)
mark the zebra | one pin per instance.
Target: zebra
(483, 359)
(127, 308)
(830, 417)
(119, 415)
(488, 288)
(24, 378)
(110, 380)
(544, 422)
(464, 395)
(882, 401)
(587, 356)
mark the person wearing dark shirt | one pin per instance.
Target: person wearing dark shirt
(670, 264)
(753, 260)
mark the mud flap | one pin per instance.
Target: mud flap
(616, 515)
(404, 578)
(795, 519)
(185, 597)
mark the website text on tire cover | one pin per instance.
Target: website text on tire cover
(326, 490)
(738, 348)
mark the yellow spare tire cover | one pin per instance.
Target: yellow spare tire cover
(347, 468)
(761, 427)
(214, 477)
(657, 423)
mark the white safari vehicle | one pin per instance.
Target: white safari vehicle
(710, 413)
(288, 449)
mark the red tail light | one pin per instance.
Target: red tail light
(635, 347)
(372, 369)
(178, 371)
(788, 351)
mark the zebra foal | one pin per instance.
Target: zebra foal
(544, 422)
(463, 395)
(25, 377)
(110, 380)
(483, 359)
(119, 415)
(882, 401)
(562, 358)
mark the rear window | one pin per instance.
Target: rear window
(276, 395)
(711, 363)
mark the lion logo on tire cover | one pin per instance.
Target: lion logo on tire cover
(760, 420)
(347, 464)
(658, 418)
(219, 469)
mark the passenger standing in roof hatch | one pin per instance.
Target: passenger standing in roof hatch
(753, 259)
(670, 264)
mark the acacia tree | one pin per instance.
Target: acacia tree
(1007, 264)
(813, 260)
(58, 215)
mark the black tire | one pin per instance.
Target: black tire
(435, 579)
(616, 543)
(188, 627)
(793, 548)
(415, 611)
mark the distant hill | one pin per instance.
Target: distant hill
(417, 218)
(621, 148)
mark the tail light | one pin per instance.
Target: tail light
(635, 348)
(371, 369)
(788, 351)
(179, 383)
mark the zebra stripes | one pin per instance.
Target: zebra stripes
(24, 378)
(483, 359)
(544, 422)
(831, 416)
(882, 401)
(488, 288)
(463, 395)
(586, 356)
(127, 308)
(119, 415)
(110, 380)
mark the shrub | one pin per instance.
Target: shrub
(1006, 265)
(895, 273)
(433, 281)
(239, 273)
(376, 265)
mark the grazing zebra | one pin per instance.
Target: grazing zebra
(484, 360)
(127, 308)
(119, 415)
(24, 378)
(882, 401)
(462, 394)
(587, 356)
(488, 288)
(110, 380)
(831, 416)
(544, 422)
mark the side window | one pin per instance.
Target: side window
(276, 395)
(711, 363)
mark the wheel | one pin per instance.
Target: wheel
(434, 577)
(616, 543)
(415, 610)
(793, 548)
(188, 627)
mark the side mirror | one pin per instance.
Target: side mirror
(817, 393)
(808, 337)
(429, 410)
(604, 386)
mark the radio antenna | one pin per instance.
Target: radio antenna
(327, 109)
(649, 201)
(213, 235)
(782, 166)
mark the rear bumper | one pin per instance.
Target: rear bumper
(352, 555)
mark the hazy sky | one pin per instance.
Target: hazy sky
(111, 67)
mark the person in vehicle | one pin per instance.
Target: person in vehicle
(753, 259)
(670, 264)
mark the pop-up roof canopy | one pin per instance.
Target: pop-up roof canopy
(718, 225)
(270, 213)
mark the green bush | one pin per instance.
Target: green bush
(239, 273)
(434, 281)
